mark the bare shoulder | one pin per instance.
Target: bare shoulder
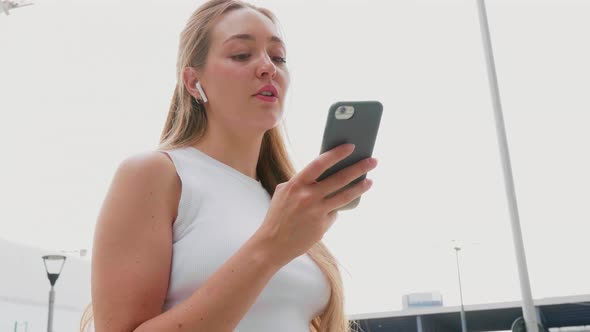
(151, 163)
(151, 173)
(133, 242)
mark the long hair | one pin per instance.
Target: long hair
(186, 124)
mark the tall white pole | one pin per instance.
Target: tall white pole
(528, 307)
(50, 313)
(463, 319)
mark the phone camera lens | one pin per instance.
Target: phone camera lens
(344, 112)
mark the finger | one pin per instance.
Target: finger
(326, 160)
(342, 178)
(346, 196)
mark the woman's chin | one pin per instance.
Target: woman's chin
(269, 122)
(262, 118)
(267, 125)
(270, 115)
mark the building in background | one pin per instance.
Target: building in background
(556, 314)
(420, 300)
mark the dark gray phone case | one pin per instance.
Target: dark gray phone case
(361, 130)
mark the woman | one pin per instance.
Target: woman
(215, 231)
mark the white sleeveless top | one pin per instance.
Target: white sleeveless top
(220, 208)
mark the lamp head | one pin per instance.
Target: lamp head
(53, 266)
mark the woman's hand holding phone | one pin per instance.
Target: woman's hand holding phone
(302, 209)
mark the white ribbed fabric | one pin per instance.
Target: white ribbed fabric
(219, 210)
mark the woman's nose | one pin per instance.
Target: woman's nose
(266, 67)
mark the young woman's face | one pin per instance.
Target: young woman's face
(245, 55)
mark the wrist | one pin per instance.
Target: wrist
(264, 252)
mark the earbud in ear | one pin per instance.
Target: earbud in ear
(201, 92)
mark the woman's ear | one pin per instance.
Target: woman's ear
(190, 80)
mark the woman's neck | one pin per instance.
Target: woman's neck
(240, 152)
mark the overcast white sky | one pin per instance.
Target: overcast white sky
(84, 85)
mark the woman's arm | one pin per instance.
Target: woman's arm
(132, 255)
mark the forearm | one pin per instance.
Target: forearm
(225, 298)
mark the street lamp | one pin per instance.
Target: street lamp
(528, 306)
(463, 322)
(53, 269)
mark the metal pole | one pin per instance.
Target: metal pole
(463, 320)
(50, 317)
(528, 307)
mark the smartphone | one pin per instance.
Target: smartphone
(355, 122)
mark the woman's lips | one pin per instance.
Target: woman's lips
(270, 99)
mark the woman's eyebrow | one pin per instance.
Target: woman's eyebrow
(245, 36)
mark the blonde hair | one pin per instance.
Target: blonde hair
(186, 124)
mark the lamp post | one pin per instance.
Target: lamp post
(528, 306)
(53, 270)
(463, 321)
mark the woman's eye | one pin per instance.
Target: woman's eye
(246, 56)
(279, 59)
(241, 57)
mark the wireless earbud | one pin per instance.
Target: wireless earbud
(201, 92)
